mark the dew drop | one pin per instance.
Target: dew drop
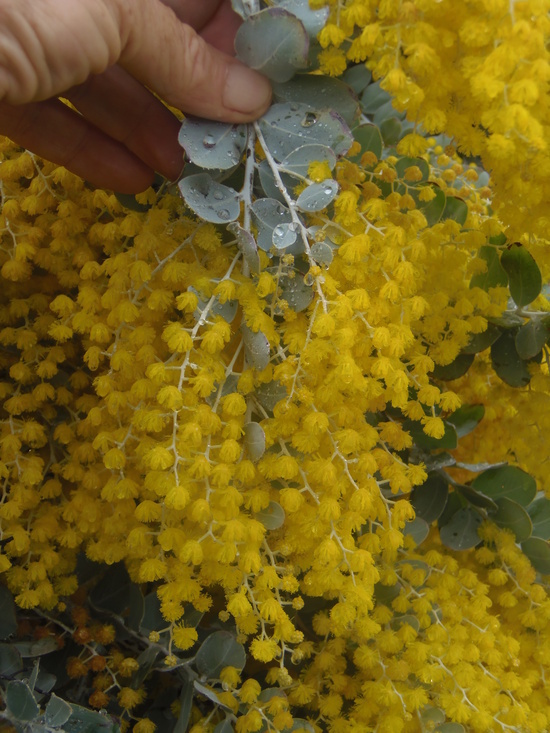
(218, 195)
(294, 107)
(309, 279)
(309, 120)
(223, 214)
(209, 141)
(328, 191)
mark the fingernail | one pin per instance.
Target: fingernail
(246, 91)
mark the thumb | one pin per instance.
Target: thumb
(172, 60)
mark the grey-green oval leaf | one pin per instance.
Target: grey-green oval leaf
(539, 511)
(455, 209)
(254, 440)
(508, 482)
(506, 361)
(210, 200)
(320, 92)
(318, 196)
(272, 517)
(274, 42)
(538, 552)
(268, 214)
(370, 140)
(429, 499)
(219, 650)
(209, 144)
(494, 275)
(460, 532)
(510, 515)
(256, 347)
(287, 126)
(524, 275)
(57, 712)
(466, 418)
(418, 529)
(299, 160)
(10, 660)
(247, 245)
(530, 338)
(313, 20)
(20, 701)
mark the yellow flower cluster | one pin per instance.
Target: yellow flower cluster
(478, 71)
(136, 425)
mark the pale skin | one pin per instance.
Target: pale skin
(110, 58)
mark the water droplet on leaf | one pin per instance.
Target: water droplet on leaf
(218, 195)
(209, 141)
(309, 120)
(223, 214)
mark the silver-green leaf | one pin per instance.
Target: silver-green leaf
(210, 144)
(210, 200)
(274, 42)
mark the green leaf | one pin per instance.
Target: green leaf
(313, 20)
(460, 533)
(494, 275)
(186, 706)
(539, 511)
(112, 591)
(429, 499)
(10, 660)
(129, 201)
(210, 200)
(450, 728)
(507, 482)
(299, 726)
(530, 338)
(270, 186)
(268, 214)
(466, 418)
(295, 291)
(57, 712)
(219, 650)
(386, 593)
(227, 310)
(210, 144)
(287, 126)
(524, 275)
(153, 620)
(358, 77)
(418, 529)
(507, 363)
(455, 209)
(481, 341)
(322, 253)
(20, 701)
(475, 498)
(299, 160)
(433, 210)
(273, 42)
(247, 245)
(256, 347)
(224, 726)
(320, 92)
(254, 440)
(510, 515)
(370, 139)
(270, 394)
(538, 552)
(83, 720)
(398, 621)
(8, 621)
(46, 645)
(455, 369)
(431, 715)
(422, 440)
(376, 103)
(390, 129)
(272, 517)
(318, 196)
(404, 163)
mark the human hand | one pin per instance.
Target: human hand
(104, 56)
